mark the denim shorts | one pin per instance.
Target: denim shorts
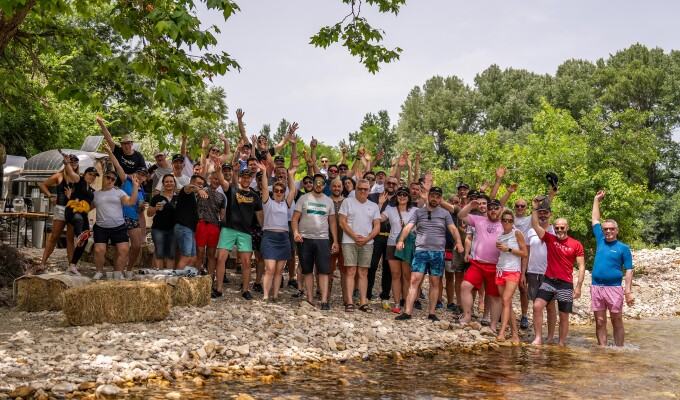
(184, 237)
(428, 262)
(164, 243)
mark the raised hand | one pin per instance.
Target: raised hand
(500, 171)
(382, 199)
(380, 155)
(600, 196)
(240, 114)
(402, 160)
(106, 148)
(222, 137)
(292, 128)
(135, 180)
(512, 188)
(474, 204)
(313, 143)
(484, 186)
(293, 138)
(205, 142)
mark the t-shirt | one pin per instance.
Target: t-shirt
(486, 234)
(360, 217)
(314, 212)
(431, 226)
(165, 218)
(129, 163)
(82, 191)
(131, 211)
(538, 252)
(242, 206)
(157, 174)
(561, 256)
(275, 215)
(209, 209)
(180, 182)
(109, 207)
(392, 201)
(509, 262)
(610, 257)
(392, 214)
(186, 210)
(523, 224)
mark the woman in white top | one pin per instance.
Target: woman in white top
(508, 270)
(275, 246)
(398, 216)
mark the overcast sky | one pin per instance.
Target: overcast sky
(329, 91)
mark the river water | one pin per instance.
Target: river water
(647, 367)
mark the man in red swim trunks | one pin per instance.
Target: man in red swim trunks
(482, 268)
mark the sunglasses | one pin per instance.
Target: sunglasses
(279, 191)
(362, 189)
(391, 183)
(370, 178)
(520, 206)
(343, 169)
(319, 182)
(332, 171)
(110, 178)
(608, 229)
(324, 161)
(509, 221)
(494, 207)
(306, 182)
(214, 151)
(560, 228)
(402, 194)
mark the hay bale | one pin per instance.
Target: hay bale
(117, 302)
(193, 291)
(43, 292)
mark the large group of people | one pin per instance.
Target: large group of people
(349, 217)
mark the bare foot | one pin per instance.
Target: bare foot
(537, 342)
(515, 340)
(500, 338)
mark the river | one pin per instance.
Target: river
(647, 367)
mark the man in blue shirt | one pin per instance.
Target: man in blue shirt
(606, 292)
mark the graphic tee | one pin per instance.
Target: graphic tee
(561, 256)
(314, 212)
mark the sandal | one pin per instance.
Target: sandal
(349, 307)
(365, 308)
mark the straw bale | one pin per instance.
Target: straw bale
(193, 291)
(117, 302)
(43, 292)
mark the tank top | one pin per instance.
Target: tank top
(61, 192)
(508, 262)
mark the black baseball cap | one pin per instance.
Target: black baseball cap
(279, 158)
(177, 157)
(463, 185)
(111, 172)
(73, 158)
(142, 170)
(544, 205)
(402, 189)
(227, 166)
(244, 172)
(436, 189)
(92, 170)
(494, 202)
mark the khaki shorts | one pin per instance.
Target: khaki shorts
(59, 213)
(356, 256)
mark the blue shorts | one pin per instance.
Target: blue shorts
(428, 262)
(164, 243)
(184, 237)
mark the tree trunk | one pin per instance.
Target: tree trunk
(9, 25)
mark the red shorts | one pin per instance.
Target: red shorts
(485, 273)
(207, 234)
(507, 276)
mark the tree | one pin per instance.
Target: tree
(375, 134)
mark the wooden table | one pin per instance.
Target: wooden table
(26, 216)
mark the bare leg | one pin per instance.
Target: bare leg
(416, 279)
(564, 328)
(466, 300)
(200, 259)
(212, 260)
(450, 287)
(434, 293)
(70, 241)
(459, 281)
(309, 287)
(617, 324)
(349, 283)
(323, 283)
(135, 247)
(259, 267)
(245, 270)
(122, 250)
(269, 271)
(405, 280)
(551, 310)
(523, 300)
(395, 269)
(363, 285)
(99, 256)
(601, 327)
(539, 305)
(57, 228)
(277, 278)
(495, 308)
(222, 255)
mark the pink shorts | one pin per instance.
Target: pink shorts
(507, 276)
(606, 298)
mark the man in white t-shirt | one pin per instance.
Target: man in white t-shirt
(360, 220)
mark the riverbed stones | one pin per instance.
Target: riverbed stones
(62, 388)
(107, 391)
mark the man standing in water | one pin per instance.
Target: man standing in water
(558, 282)
(606, 292)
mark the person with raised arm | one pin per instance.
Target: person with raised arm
(612, 257)
(563, 252)
(162, 210)
(130, 159)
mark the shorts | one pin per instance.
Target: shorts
(456, 264)
(428, 262)
(110, 235)
(131, 223)
(507, 276)
(315, 252)
(184, 237)
(390, 253)
(59, 213)
(482, 273)
(357, 256)
(207, 234)
(256, 237)
(534, 282)
(163, 243)
(562, 291)
(230, 237)
(275, 246)
(606, 298)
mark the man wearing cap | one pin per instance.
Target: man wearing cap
(130, 159)
(244, 209)
(463, 190)
(379, 185)
(313, 219)
(558, 284)
(606, 292)
(482, 270)
(211, 211)
(131, 213)
(380, 244)
(431, 223)
(177, 171)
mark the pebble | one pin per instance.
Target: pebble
(173, 395)
(107, 391)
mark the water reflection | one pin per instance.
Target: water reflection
(649, 367)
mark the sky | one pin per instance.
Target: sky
(328, 92)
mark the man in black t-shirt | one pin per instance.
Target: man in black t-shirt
(130, 159)
(380, 245)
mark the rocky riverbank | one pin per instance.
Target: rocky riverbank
(231, 338)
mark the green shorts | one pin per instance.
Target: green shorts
(231, 237)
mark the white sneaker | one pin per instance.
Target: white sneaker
(98, 276)
(129, 274)
(117, 276)
(72, 269)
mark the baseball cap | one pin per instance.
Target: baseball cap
(380, 173)
(544, 205)
(463, 185)
(245, 172)
(177, 157)
(494, 202)
(403, 189)
(126, 139)
(92, 170)
(279, 159)
(73, 158)
(142, 170)
(226, 166)
(436, 189)
(112, 173)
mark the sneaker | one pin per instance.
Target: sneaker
(257, 287)
(484, 322)
(417, 305)
(98, 276)
(396, 310)
(293, 283)
(300, 293)
(325, 307)
(129, 274)
(117, 276)
(439, 306)
(225, 279)
(453, 307)
(432, 317)
(386, 305)
(524, 323)
(73, 270)
(402, 317)
(203, 272)
(247, 295)
(215, 294)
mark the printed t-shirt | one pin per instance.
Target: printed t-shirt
(561, 256)
(360, 217)
(486, 234)
(130, 163)
(431, 226)
(242, 206)
(314, 212)
(610, 258)
(209, 209)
